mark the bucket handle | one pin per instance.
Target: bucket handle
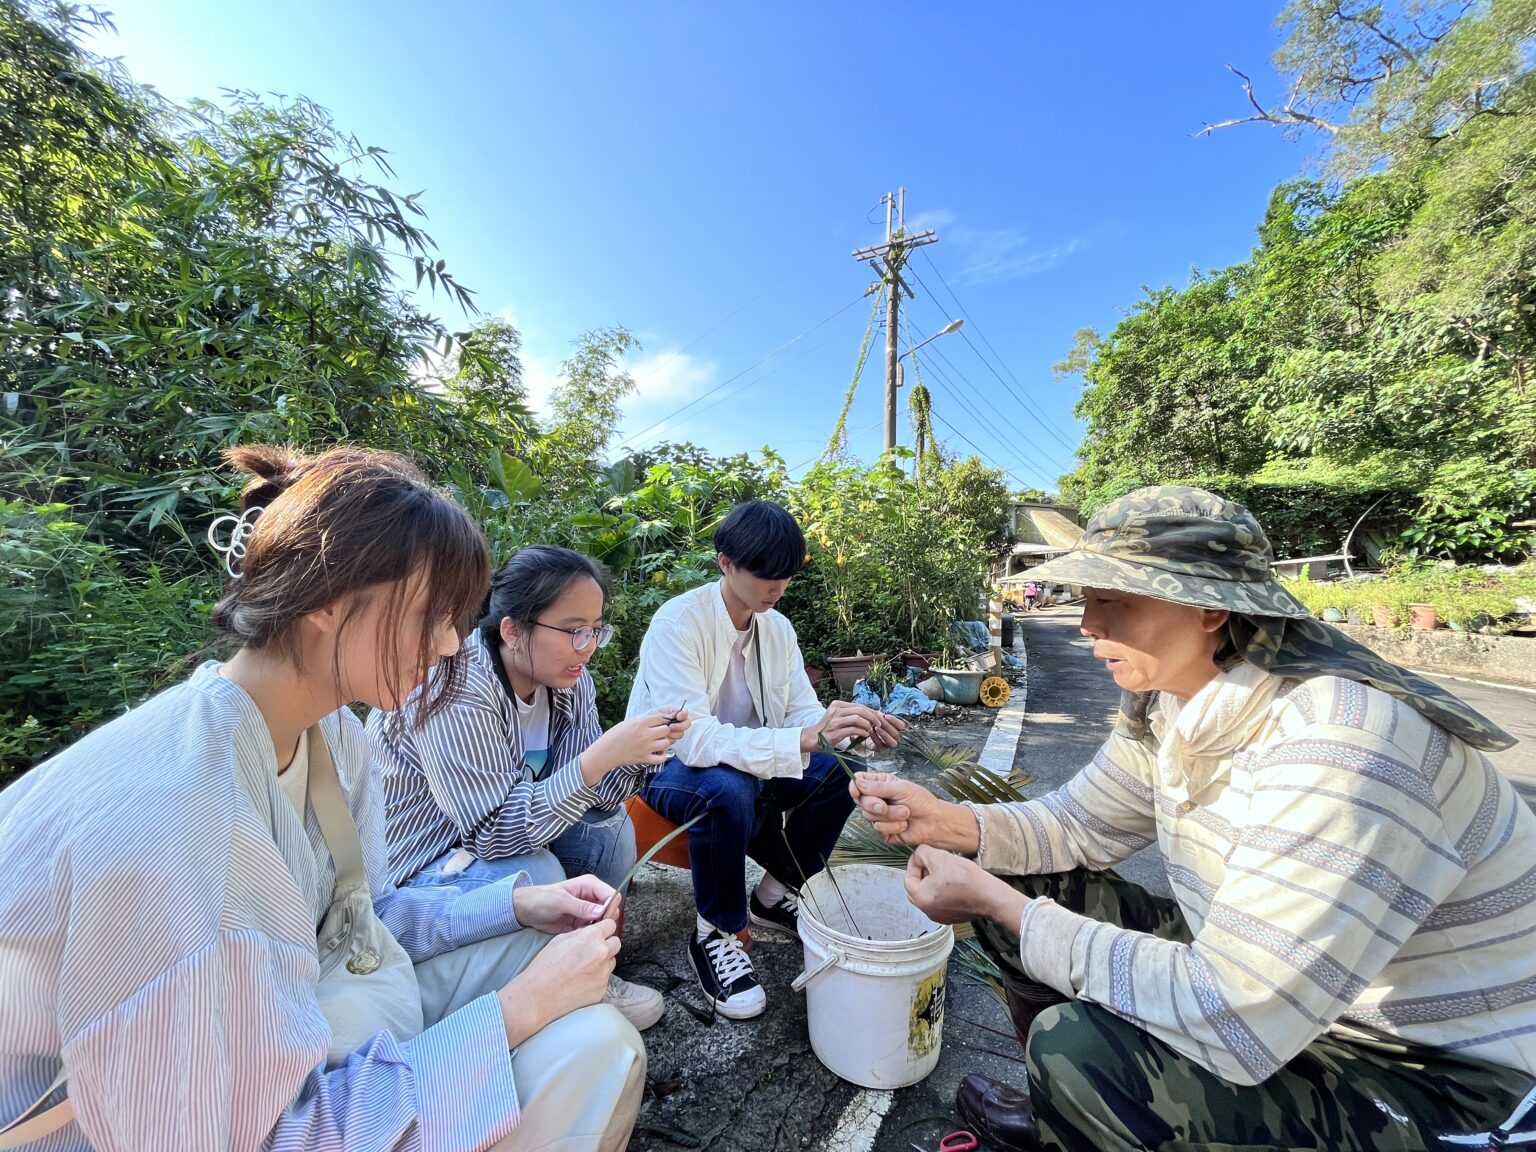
(800, 981)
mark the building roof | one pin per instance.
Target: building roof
(1047, 525)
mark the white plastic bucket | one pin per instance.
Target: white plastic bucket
(875, 1006)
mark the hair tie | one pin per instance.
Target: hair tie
(239, 535)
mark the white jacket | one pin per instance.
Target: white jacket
(683, 660)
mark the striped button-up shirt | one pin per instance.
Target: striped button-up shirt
(460, 779)
(158, 910)
(1348, 866)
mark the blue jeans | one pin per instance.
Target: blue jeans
(745, 816)
(602, 843)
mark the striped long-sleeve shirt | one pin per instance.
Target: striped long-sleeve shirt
(460, 778)
(1349, 866)
(159, 899)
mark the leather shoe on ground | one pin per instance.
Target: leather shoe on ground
(1002, 1116)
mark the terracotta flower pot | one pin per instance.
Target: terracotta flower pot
(1384, 615)
(1422, 617)
(815, 674)
(849, 670)
(922, 661)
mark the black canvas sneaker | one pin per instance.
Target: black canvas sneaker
(725, 974)
(783, 917)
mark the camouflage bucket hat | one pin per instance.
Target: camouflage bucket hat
(1180, 544)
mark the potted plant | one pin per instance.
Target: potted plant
(922, 661)
(880, 676)
(849, 670)
(960, 684)
(1422, 616)
(815, 672)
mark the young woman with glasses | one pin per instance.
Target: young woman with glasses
(513, 773)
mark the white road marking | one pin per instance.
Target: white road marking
(860, 1123)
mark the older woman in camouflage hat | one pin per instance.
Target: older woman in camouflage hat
(1349, 959)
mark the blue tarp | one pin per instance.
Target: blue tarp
(902, 701)
(973, 634)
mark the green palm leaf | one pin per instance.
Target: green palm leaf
(963, 777)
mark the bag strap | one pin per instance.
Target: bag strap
(335, 818)
(33, 1125)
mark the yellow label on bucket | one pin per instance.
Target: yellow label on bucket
(926, 1024)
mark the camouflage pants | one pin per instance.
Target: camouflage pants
(1099, 1082)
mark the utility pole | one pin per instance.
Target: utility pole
(888, 259)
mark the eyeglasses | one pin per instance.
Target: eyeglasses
(584, 637)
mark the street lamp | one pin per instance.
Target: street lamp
(952, 326)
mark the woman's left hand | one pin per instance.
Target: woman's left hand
(952, 890)
(562, 907)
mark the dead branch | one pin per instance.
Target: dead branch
(1288, 114)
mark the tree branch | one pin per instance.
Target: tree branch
(1289, 114)
(1408, 53)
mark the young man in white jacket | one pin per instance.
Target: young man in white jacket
(751, 763)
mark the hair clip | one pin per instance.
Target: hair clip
(240, 531)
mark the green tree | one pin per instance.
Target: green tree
(1386, 321)
(487, 384)
(587, 403)
(1169, 391)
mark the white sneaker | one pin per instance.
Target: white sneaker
(640, 1005)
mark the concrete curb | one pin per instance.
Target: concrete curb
(1003, 740)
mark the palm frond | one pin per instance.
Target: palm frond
(963, 777)
(861, 844)
(960, 774)
(979, 968)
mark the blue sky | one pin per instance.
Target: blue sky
(701, 172)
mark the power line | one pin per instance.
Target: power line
(982, 421)
(786, 275)
(1036, 448)
(823, 452)
(671, 415)
(1019, 391)
(1009, 450)
(979, 452)
(748, 383)
(1049, 457)
(990, 459)
(1036, 415)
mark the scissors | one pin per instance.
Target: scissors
(961, 1141)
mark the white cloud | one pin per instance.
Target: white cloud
(670, 375)
(988, 255)
(665, 379)
(1008, 254)
(933, 218)
(541, 376)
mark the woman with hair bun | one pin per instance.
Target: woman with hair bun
(199, 942)
(511, 770)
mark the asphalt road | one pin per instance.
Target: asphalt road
(1512, 709)
(1072, 702)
